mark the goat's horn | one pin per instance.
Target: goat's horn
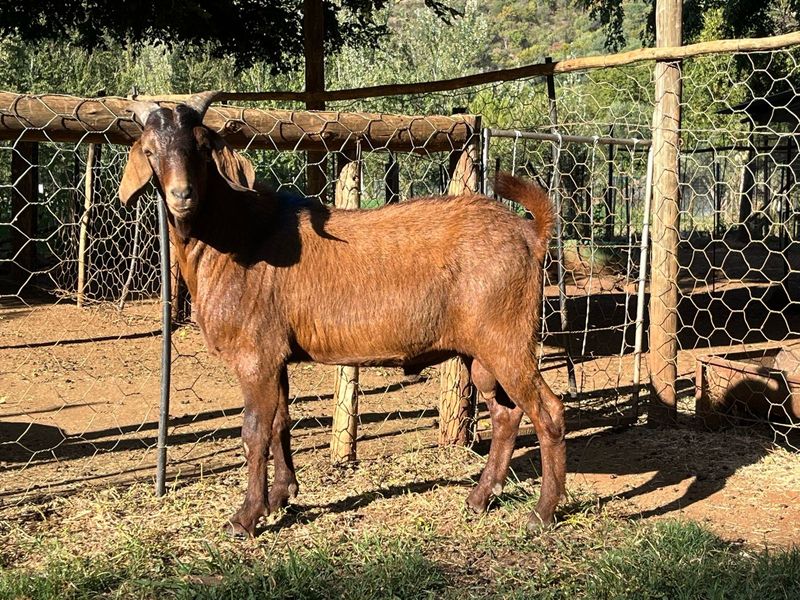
(143, 110)
(200, 102)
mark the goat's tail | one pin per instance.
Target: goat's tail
(535, 200)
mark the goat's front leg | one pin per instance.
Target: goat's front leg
(284, 484)
(262, 397)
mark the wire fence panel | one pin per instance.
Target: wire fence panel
(739, 256)
(80, 387)
(80, 384)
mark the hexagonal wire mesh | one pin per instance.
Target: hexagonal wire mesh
(79, 400)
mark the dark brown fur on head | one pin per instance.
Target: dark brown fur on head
(177, 151)
(275, 280)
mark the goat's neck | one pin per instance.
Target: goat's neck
(228, 223)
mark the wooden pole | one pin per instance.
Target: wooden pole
(345, 394)
(60, 118)
(570, 65)
(314, 48)
(24, 198)
(88, 183)
(456, 393)
(666, 202)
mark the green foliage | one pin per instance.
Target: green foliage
(526, 32)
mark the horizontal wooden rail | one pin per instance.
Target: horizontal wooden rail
(536, 70)
(64, 118)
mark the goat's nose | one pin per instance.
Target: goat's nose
(183, 193)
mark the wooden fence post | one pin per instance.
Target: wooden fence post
(92, 155)
(24, 196)
(456, 393)
(314, 50)
(665, 235)
(345, 393)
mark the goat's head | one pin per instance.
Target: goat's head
(177, 151)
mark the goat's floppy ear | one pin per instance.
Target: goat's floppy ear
(235, 168)
(137, 173)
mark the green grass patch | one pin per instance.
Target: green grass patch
(363, 569)
(672, 560)
(676, 560)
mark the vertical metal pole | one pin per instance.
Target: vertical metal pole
(627, 188)
(166, 347)
(556, 192)
(716, 232)
(637, 347)
(785, 207)
(487, 136)
(610, 216)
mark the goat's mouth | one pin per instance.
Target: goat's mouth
(182, 210)
(182, 213)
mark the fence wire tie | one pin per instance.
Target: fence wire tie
(517, 136)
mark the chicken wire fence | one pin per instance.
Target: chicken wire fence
(79, 400)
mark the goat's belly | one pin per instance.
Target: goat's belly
(422, 360)
(395, 345)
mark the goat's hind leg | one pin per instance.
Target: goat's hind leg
(528, 390)
(505, 417)
(284, 484)
(262, 397)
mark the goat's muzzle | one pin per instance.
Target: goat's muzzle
(181, 202)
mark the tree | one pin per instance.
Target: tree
(740, 18)
(250, 31)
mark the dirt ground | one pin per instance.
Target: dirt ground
(79, 410)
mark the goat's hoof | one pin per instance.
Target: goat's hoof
(236, 531)
(478, 501)
(536, 524)
(279, 497)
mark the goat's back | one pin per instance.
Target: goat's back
(384, 285)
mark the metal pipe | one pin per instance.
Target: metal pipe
(637, 347)
(555, 190)
(166, 347)
(487, 136)
(580, 139)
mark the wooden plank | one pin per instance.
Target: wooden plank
(59, 118)
(345, 394)
(24, 196)
(666, 202)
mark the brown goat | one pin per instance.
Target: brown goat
(437, 277)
